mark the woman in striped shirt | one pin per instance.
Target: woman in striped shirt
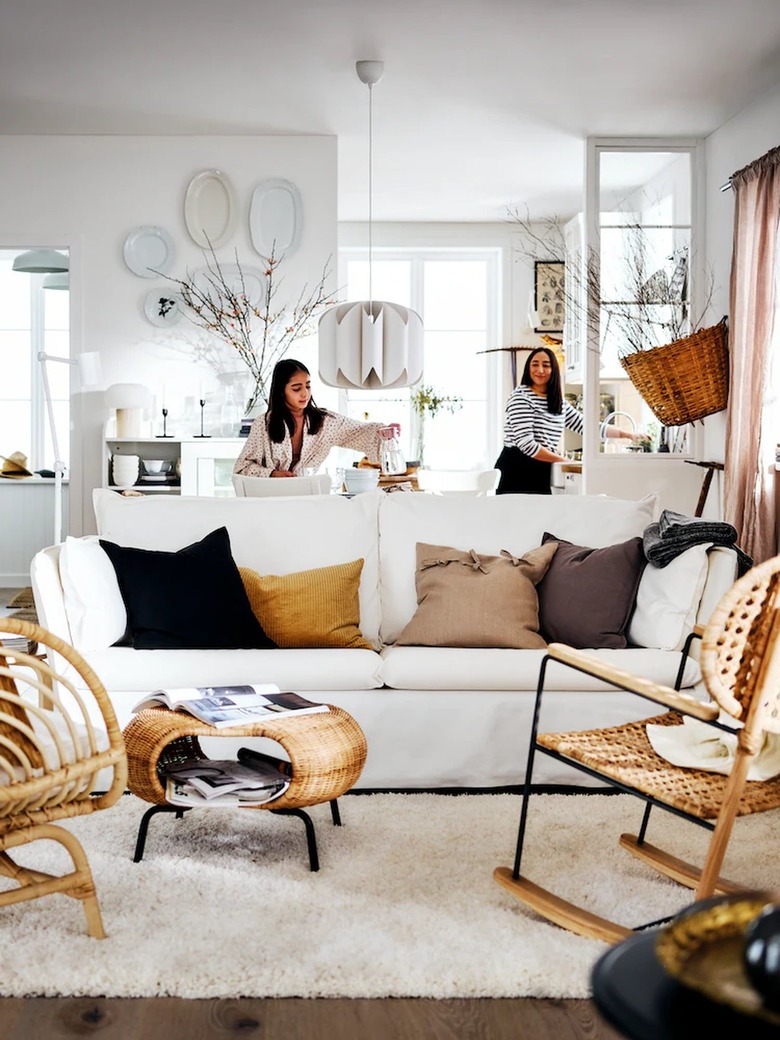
(536, 414)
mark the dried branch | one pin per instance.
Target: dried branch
(260, 333)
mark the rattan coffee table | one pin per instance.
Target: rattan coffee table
(327, 752)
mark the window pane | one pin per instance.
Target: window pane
(15, 352)
(455, 294)
(453, 365)
(15, 296)
(390, 280)
(56, 304)
(15, 428)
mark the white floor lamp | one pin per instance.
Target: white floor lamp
(89, 370)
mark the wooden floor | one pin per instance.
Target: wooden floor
(295, 1019)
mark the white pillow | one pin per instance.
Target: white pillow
(667, 600)
(96, 611)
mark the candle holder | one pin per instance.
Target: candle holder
(202, 403)
(165, 430)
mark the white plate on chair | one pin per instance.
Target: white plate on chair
(161, 308)
(149, 251)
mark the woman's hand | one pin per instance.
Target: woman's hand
(391, 430)
(282, 473)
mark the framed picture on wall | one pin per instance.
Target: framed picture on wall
(549, 295)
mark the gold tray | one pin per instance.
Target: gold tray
(703, 949)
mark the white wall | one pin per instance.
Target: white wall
(88, 193)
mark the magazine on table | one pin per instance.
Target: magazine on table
(222, 706)
(205, 781)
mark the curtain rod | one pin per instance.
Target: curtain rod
(726, 186)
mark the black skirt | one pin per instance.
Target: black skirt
(522, 475)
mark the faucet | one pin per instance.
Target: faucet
(603, 426)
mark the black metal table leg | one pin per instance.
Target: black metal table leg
(311, 838)
(144, 826)
(334, 812)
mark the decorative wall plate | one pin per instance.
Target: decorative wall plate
(162, 308)
(275, 218)
(210, 211)
(149, 251)
(253, 282)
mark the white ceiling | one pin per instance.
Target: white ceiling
(484, 104)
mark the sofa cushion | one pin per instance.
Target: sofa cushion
(315, 608)
(270, 535)
(458, 668)
(667, 600)
(192, 598)
(97, 615)
(587, 595)
(488, 525)
(472, 599)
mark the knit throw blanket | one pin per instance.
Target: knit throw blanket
(674, 533)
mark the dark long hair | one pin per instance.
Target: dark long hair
(278, 415)
(554, 394)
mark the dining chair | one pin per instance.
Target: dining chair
(255, 487)
(458, 481)
(740, 667)
(56, 760)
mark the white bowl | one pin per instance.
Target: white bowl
(360, 480)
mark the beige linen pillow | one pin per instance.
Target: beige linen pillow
(470, 599)
(315, 608)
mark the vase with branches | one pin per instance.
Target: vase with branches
(259, 331)
(426, 403)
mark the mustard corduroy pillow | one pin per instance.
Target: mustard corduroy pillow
(315, 608)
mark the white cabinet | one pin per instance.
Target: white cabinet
(191, 465)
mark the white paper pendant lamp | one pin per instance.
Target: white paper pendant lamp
(366, 346)
(370, 344)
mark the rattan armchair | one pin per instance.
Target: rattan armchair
(56, 761)
(740, 665)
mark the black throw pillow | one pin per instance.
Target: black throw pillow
(186, 600)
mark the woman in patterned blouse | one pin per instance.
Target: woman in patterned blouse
(294, 434)
(536, 414)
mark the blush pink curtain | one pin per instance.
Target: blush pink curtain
(749, 496)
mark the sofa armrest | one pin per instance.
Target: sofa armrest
(722, 565)
(48, 593)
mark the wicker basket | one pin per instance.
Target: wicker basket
(685, 380)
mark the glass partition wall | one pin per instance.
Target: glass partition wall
(638, 285)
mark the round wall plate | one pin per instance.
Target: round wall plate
(162, 308)
(149, 251)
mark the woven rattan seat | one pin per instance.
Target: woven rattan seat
(740, 664)
(56, 762)
(327, 752)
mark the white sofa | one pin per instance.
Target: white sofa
(434, 717)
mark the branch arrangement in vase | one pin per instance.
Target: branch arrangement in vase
(261, 332)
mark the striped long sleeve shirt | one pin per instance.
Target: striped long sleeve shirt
(529, 426)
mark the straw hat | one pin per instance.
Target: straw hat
(15, 465)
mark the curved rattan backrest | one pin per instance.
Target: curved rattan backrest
(740, 655)
(52, 742)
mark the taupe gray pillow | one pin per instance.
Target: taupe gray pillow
(587, 595)
(472, 599)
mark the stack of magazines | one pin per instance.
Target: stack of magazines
(224, 782)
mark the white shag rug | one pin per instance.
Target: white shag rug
(404, 904)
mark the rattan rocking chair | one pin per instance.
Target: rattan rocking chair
(740, 665)
(52, 750)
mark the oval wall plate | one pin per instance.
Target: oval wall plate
(275, 218)
(210, 211)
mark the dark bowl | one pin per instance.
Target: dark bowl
(762, 954)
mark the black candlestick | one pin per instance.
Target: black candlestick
(165, 420)
(202, 403)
